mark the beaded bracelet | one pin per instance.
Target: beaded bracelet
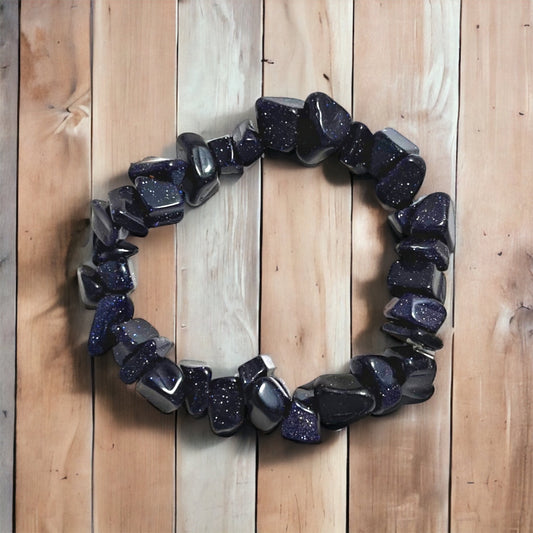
(375, 384)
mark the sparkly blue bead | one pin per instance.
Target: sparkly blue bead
(257, 367)
(302, 424)
(196, 378)
(418, 311)
(129, 335)
(163, 201)
(103, 226)
(247, 143)
(139, 362)
(90, 286)
(121, 249)
(421, 278)
(160, 168)
(400, 221)
(111, 309)
(356, 150)
(411, 335)
(226, 160)
(226, 408)
(127, 210)
(117, 276)
(388, 149)
(432, 250)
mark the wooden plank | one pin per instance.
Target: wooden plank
(53, 457)
(305, 313)
(399, 465)
(492, 457)
(219, 61)
(134, 73)
(9, 20)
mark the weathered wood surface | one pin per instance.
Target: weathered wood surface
(289, 261)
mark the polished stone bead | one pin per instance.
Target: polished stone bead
(398, 187)
(111, 309)
(416, 311)
(389, 148)
(162, 386)
(415, 371)
(201, 179)
(356, 149)
(226, 160)
(277, 121)
(421, 278)
(90, 286)
(127, 210)
(103, 226)
(139, 362)
(400, 221)
(196, 376)
(117, 276)
(302, 424)
(267, 402)
(121, 249)
(412, 335)
(375, 373)
(435, 217)
(322, 128)
(339, 399)
(159, 168)
(432, 250)
(123, 350)
(260, 366)
(247, 143)
(226, 408)
(305, 395)
(163, 201)
(129, 335)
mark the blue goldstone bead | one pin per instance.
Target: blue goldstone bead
(411, 335)
(389, 148)
(356, 150)
(139, 362)
(111, 309)
(103, 226)
(196, 377)
(277, 121)
(322, 128)
(121, 249)
(226, 408)
(127, 210)
(90, 286)
(400, 221)
(226, 160)
(201, 179)
(421, 278)
(122, 350)
(247, 143)
(129, 335)
(432, 250)
(260, 366)
(160, 168)
(302, 424)
(418, 311)
(398, 187)
(162, 386)
(163, 201)
(375, 373)
(117, 276)
(267, 402)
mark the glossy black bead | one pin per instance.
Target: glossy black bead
(117, 276)
(163, 201)
(398, 187)
(412, 335)
(301, 424)
(389, 148)
(421, 278)
(356, 150)
(90, 286)
(201, 179)
(225, 156)
(375, 373)
(322, 128)
(416, 311)
(123, 350)
(267, 402)
(139, 362)
(129, 335)
(226, 409)
(432, 250)
(162, 386)
(277, 121)
(196, 376)
(111, 309)
(121, 249)
(257, 367)
(103, 226)
(127, 210)
(159, 168)
(247, 143)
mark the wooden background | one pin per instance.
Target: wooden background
(286, 261)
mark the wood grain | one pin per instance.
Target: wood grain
(9, 45)
(53, 456)
(218, 258)
(305, 280)
(492, 457)
(134, 73)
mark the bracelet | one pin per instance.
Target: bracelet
(375, 384)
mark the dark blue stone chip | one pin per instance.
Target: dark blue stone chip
(117, 276)
(389, 148)
(129, 335)
(302, 424)
(277, 121)
(90, 286)
(159, 168)
(196, 377)
(127, 210)
(322, 128)
(225, 156)
(400, 221)
(421, 278)
(139, 362)
(163, 201)
(103, 226)
(111, 309)
(412, 335)
(416, 311)
(356, 150)
(123, 350)
(121, 249)
(247, 143)
(432, 250)
(257, 367)
(226, 407)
